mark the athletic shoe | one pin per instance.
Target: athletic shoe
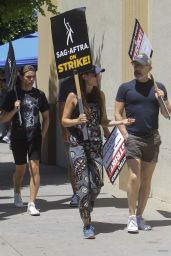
(32, 209)
(142, 224)
(6, 139)
(132, 226)
(18, 200)
(88, 232)
(74, 201)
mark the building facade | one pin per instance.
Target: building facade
(110, 26)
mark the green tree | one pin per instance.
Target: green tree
(19, 17)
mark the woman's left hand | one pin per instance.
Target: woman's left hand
(128, 121)
(82, 119)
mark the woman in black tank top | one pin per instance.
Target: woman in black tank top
(86, 155)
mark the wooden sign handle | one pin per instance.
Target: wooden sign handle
(161, 100)
(80, 104)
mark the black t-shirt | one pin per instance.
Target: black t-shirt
(32, 102)
(67, 86)
(140, 103)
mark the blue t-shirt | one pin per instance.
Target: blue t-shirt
(140, 103)
(67, 86)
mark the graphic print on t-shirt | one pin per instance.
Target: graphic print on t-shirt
(30, 111)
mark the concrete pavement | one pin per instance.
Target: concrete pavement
(58, 230)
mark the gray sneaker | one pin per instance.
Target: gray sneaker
(142, 225)
(18, 200)
(132, 226)
(74, 201)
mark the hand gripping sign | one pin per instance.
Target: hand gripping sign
(163, 106)
(114, 154)
(72, 48)
(141, 44)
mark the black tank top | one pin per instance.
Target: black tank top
(93, 124)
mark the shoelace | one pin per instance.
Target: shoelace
(133, 220)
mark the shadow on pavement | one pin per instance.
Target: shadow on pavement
(50, 175)
(112, 202)
(165, 214)
(64, 203)
(104, 227)
(159, 223)
(45, 205)
(6, 172)
(8, 210)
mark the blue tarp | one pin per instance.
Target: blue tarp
(25, 48)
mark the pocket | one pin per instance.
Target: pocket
(125, 141)
(157, 139)
(128, 139)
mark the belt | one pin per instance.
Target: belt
(144, 135)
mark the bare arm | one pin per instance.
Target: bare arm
(106, 122)
(45, 123)
(61, 106)
(70, 105)
(7, 116)
(162, 110)
(119, 108)
(160, 93)
(168, 105)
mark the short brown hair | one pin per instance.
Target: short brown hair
(27, 68)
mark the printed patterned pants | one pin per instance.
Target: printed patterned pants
(86, 161)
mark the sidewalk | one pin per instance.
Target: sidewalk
(58, 230)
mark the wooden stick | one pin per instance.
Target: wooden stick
(80, 104)
(163, 106)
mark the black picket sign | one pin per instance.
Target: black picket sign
(71, 42)
(11, 74)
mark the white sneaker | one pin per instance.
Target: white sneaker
(18, 200)
(142, 225)
(6, 139)
(32, 209)
(132, 226)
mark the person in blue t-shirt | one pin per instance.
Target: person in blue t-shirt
(86, 155)
(139, 99)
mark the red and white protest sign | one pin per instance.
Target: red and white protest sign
(139, 43)
(114, 154)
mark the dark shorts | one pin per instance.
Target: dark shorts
(23, 148)
(146, 149)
